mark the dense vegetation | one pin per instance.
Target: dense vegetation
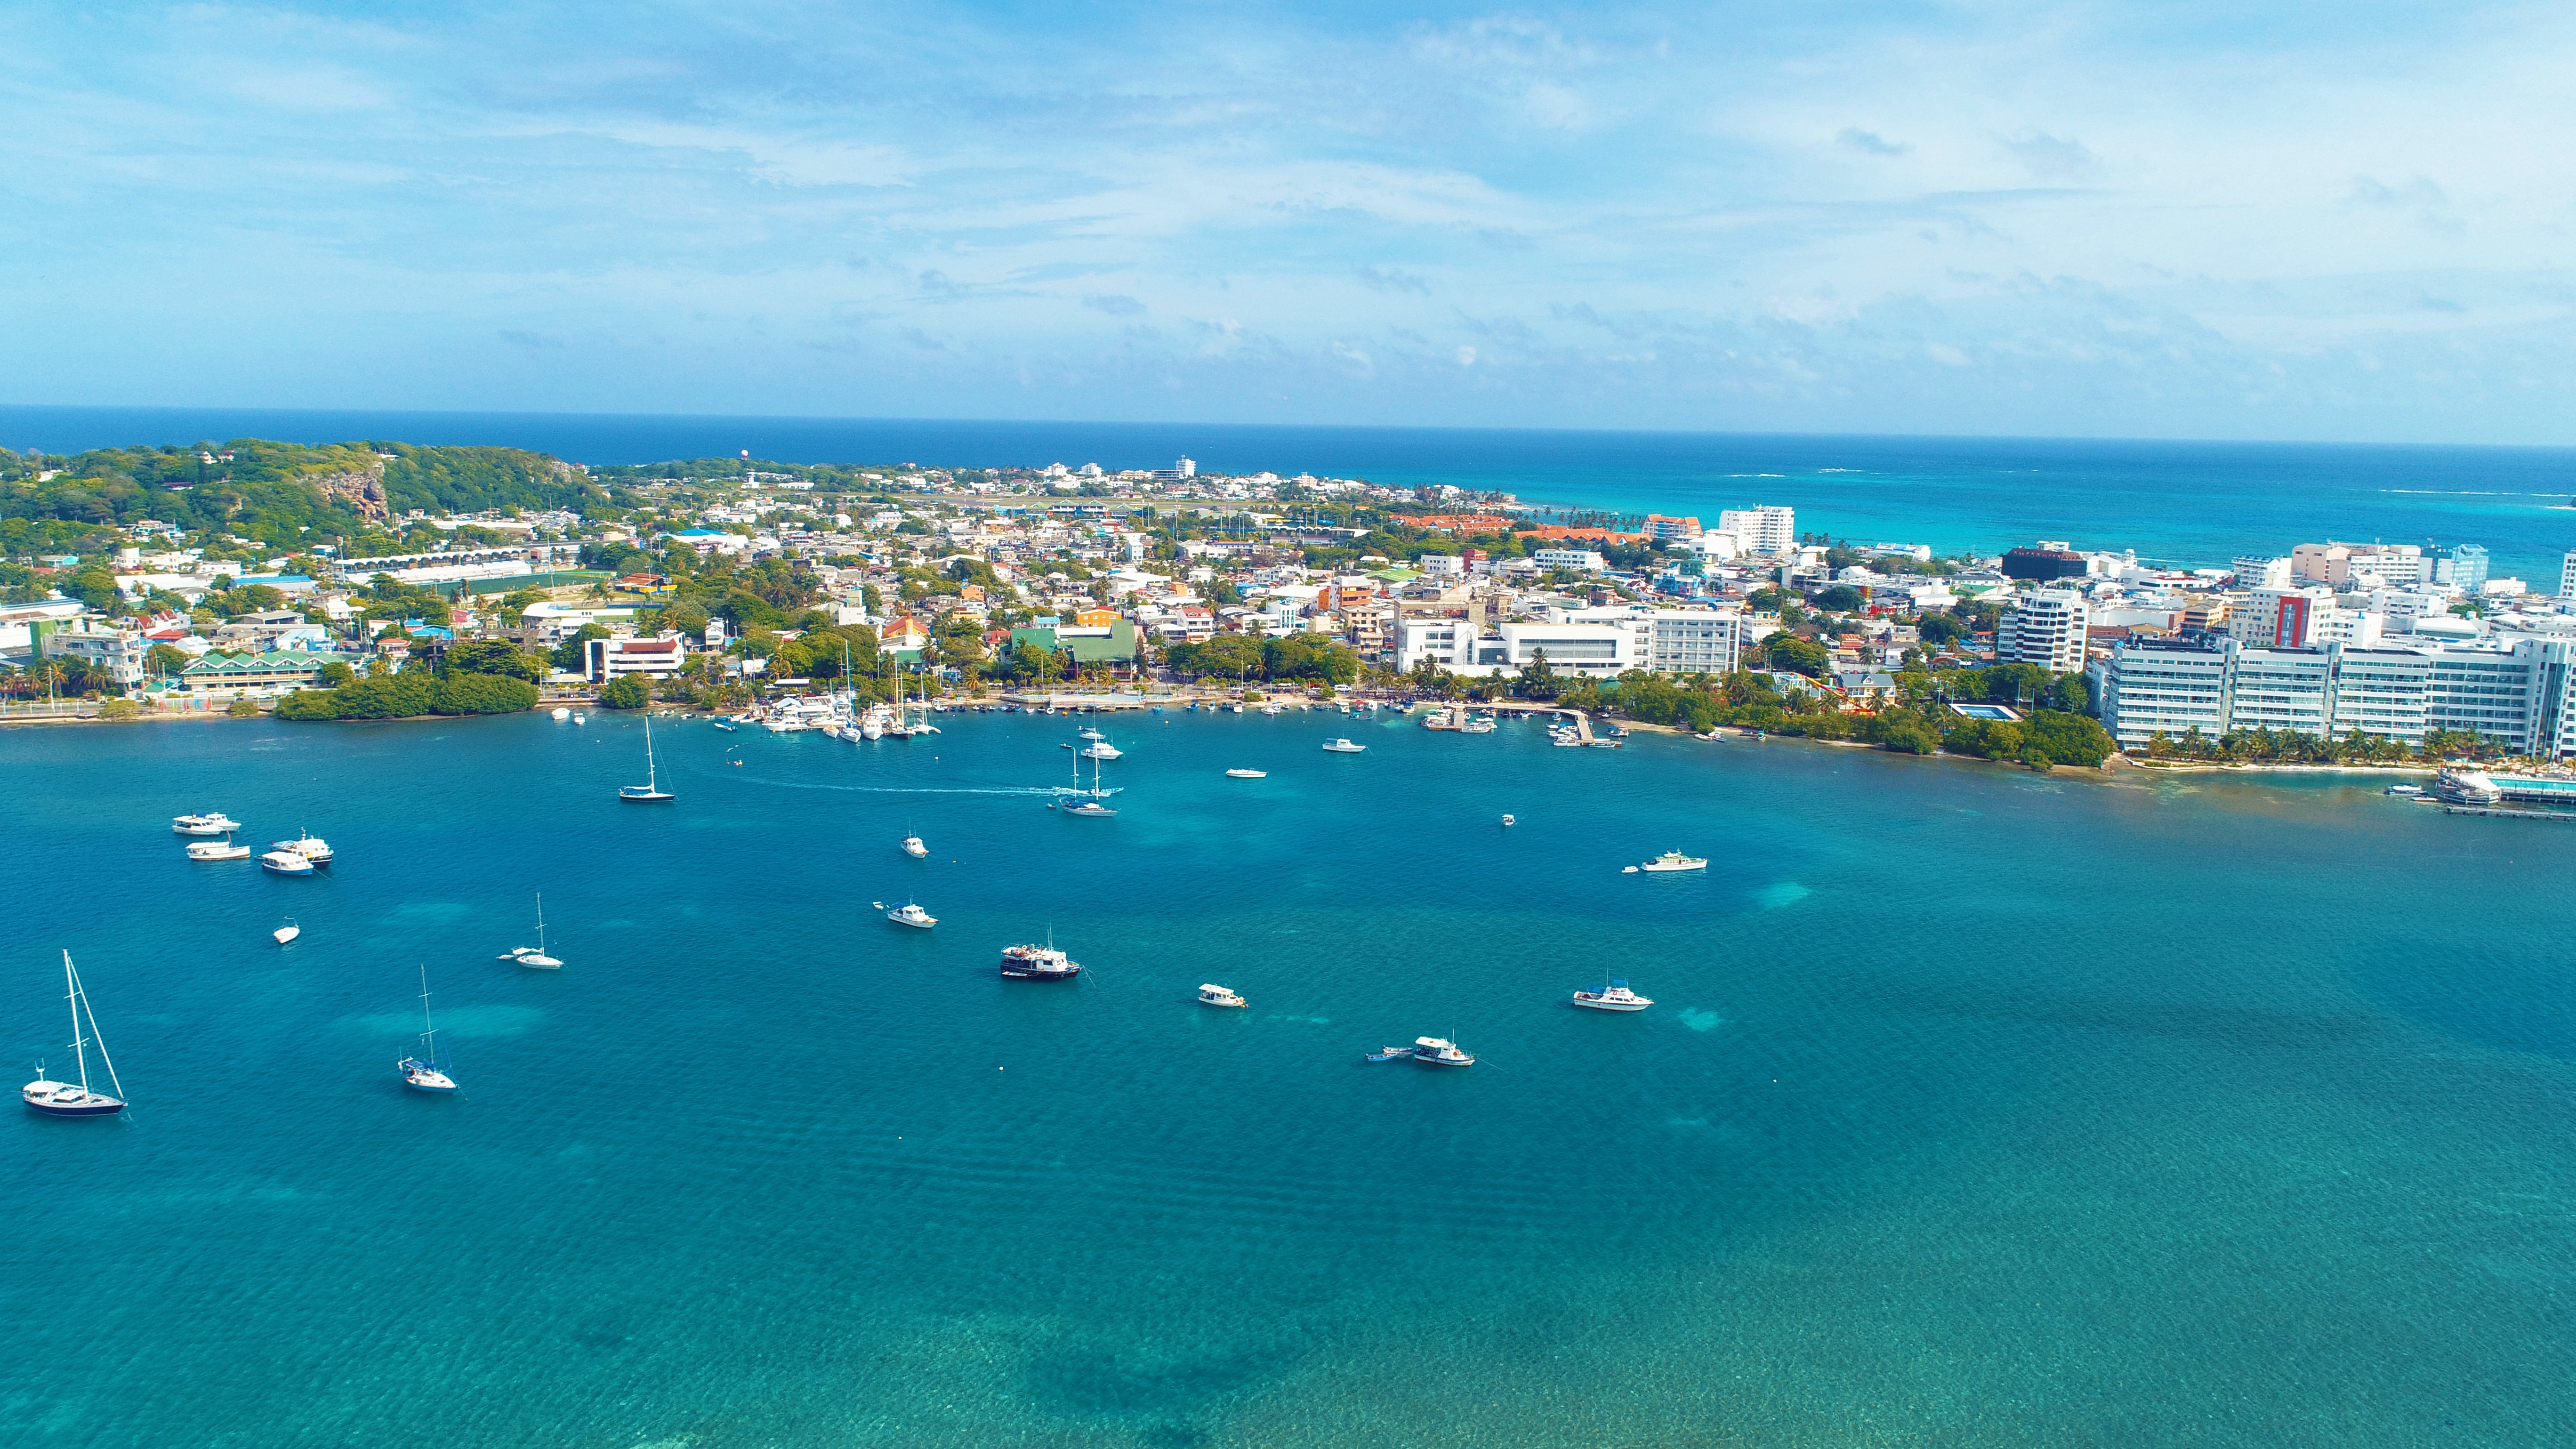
(488, 677)
(1281, 658)
(277, 495)
(2289, 747)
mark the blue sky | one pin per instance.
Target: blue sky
(2347, 221)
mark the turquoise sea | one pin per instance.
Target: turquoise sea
(1977, 1107)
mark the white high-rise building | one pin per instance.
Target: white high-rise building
(2519, 692)
(2045, 627)
(1763, 529)
(2566, 576)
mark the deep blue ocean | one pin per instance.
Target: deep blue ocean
(1976, 1108)
(2189, 504)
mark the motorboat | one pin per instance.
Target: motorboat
(427, 1072)
(1391, 1054)
(76, 1099)
(1343, 747)
(728, 726)
(218, 850)
(913, 847)
(911, 915)
(287, 932)
(1434, 1051)
(1037, 963)
(1211, 994)
(535, 957)
(651, 791)
(1102, 750)
(1614, 997)
(1509, 821)
(1247, 774)
(1672, 860)
(561, 714)
(2403, 792)
(579, 718)
(312, 848)
(1271, 709)
(285, 862)
(214, 823)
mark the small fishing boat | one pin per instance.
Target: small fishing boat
(426, 1072)
(651, 791)
(561, 714)
(726, 725)
(287, 932)
(1435, 1051)
(1509, 821)
(1038, 963)
(913, 847)
(579, 718)
(1211, 994)
(212, 823)
(1672, 860)
(1247, 774)
(311, 847)
(218, 850)
(911, 915)
(285, 862)
(75, 1099)
(1614, 997)
(2407, 792)
(1343, 747)
(1391, 1054)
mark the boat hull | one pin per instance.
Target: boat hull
(1024, 973)
(94, 1106)
(1612, 1005)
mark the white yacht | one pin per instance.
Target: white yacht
(1672, 860)
(535, 957)
(912, 915)
(1211, 994)
(426, 1072)
(1343, 747)
(212, 823)
(1038, 963)
(218, 850)
(913, 847)
(1101, 750)
(1247, 774)
(1434, 1051)
(1614, 997)
(285, 862)
(651, 791)
(311, 847)
(75, 1099)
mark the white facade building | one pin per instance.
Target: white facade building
(1581, 560)
(613, 659)
(1764, 529)
(2045, 627)
(2567, 575)
(2519, 692)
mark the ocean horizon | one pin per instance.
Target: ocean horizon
(2182, 503)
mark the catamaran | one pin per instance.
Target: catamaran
(75, 1099)
(426, 1072)
(651, 790)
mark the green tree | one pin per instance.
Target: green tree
(1798, 656)
(165, 659)
(571, 655)
(629, 692)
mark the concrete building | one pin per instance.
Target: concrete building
(612, 659)
(1581, 560)
(2567, 576)
(117, 652)
(2519, 692)
(1762, 529)
(2045, 627)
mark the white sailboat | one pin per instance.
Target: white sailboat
(535, 957)
(1091, 807)
(651, 790)
(75, 1099)
(426, 1073)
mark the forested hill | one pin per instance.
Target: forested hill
(275, 491)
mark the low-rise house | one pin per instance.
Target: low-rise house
(266, 673)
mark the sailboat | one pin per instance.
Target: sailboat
(1092, 806)
(650, 791)
(424, 1073)
(535, 958)
(75, 1099)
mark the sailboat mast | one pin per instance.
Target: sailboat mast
(71, 995)
(541, 923)
(652, 781)
(428, 1033)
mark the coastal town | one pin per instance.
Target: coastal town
(720, 584)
